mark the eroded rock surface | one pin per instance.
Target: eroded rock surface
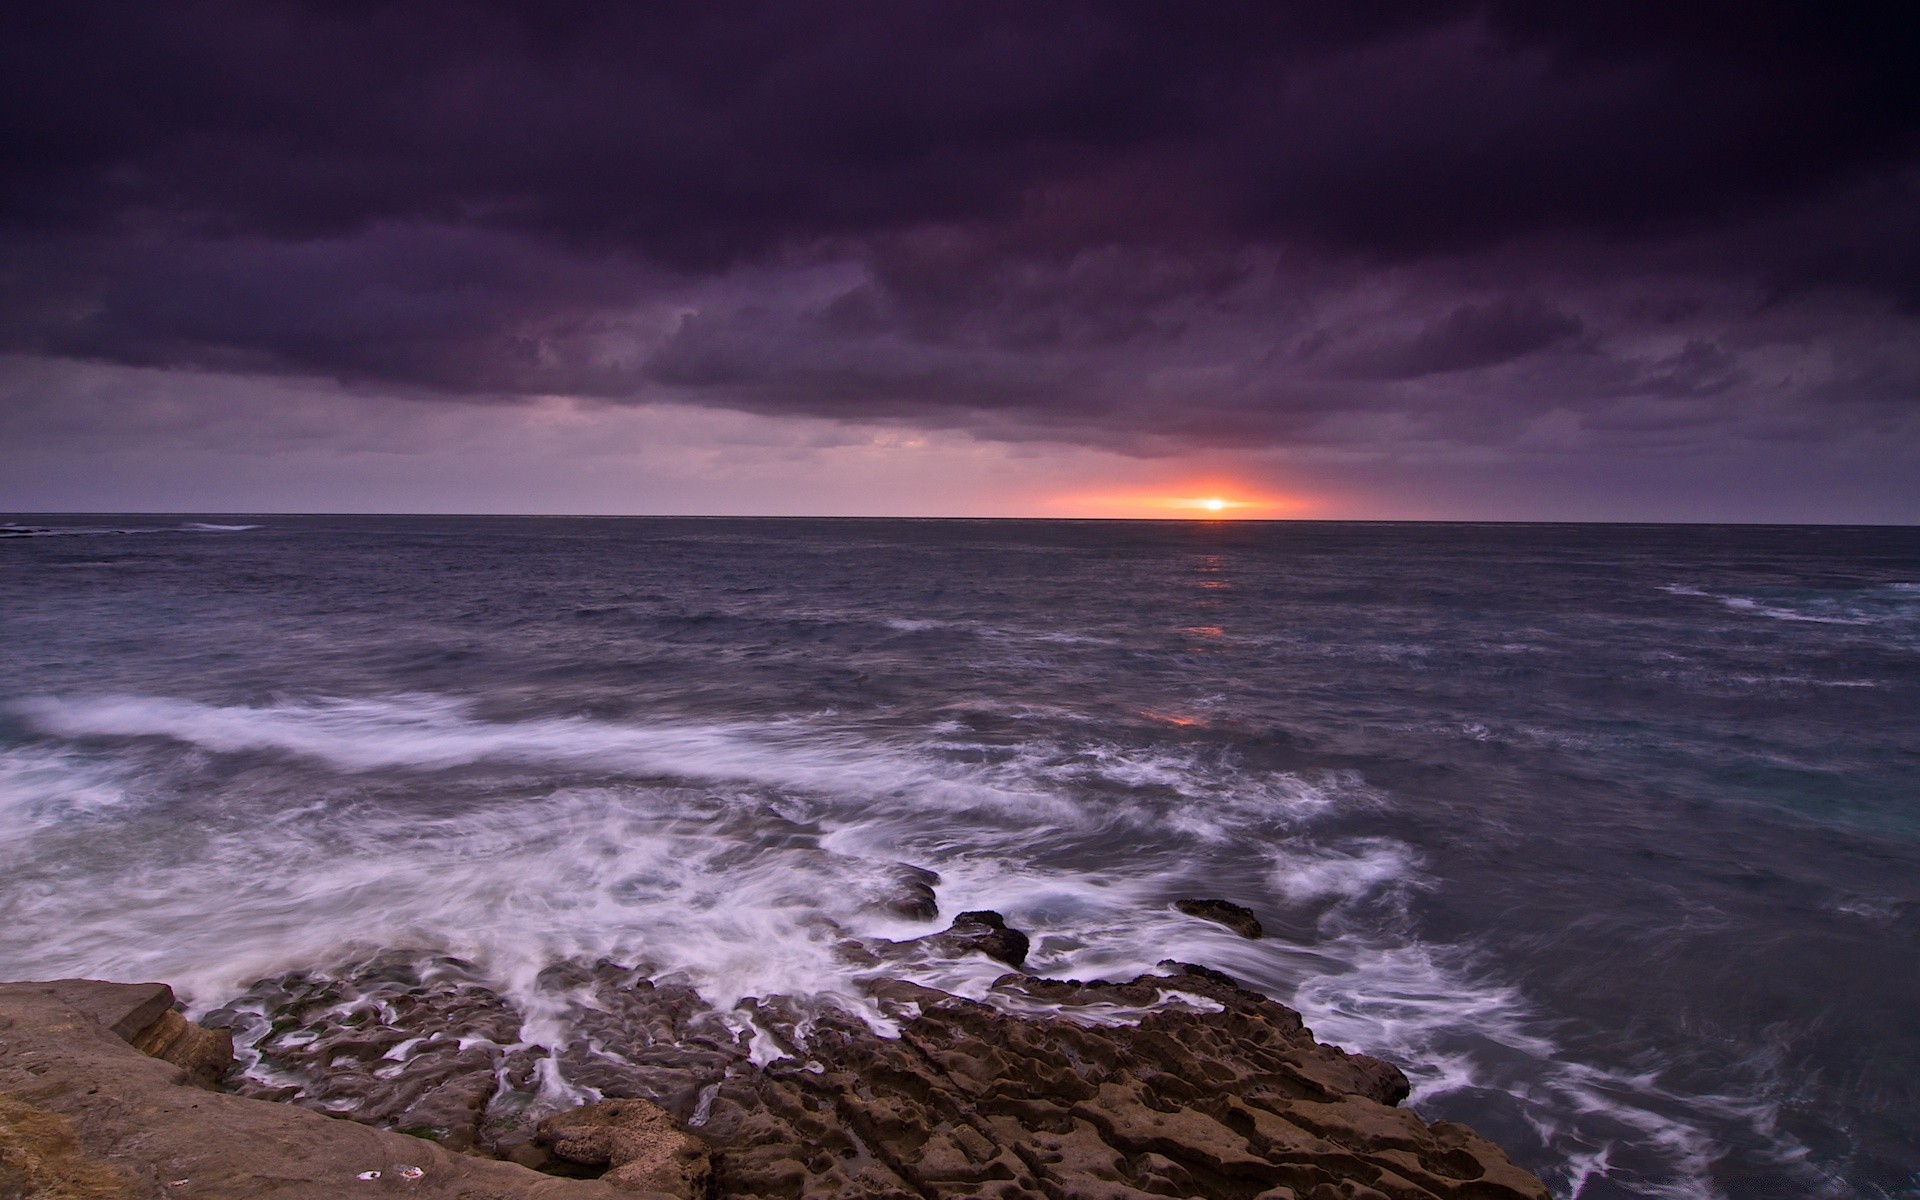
(403, 1042)
(1176, 1084)
(143, 1016)
(84, 1114)
(1215, 1092)
(640, 1142)
(983, 932)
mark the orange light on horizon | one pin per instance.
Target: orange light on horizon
(1202, 502)
(1212, 504)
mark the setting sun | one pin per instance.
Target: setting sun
(1215, 500)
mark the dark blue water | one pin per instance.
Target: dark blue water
(1609, 835)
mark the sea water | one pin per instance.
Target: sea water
(1608, 835)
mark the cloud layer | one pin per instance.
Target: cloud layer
(1412, 230)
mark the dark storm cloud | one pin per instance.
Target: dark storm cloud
(1134, 225)
(1478, 335)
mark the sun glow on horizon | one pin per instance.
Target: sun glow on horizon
(1207, 502)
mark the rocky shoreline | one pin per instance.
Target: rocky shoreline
(1179, 1083)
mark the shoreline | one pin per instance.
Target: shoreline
(1182, 1083)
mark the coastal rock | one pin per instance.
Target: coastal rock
(1177, 1083)
(1223, 912)
(983, 932)
(83, 1114)
(671, 1045)
(205, 1055)
(909, 893)
(41, 1155)
(403, 1041)
(143, 1016)
(126, 1010)
(1215, 1091)
(641, 1143)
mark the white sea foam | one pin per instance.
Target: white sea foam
(1344, 870)
(1882, 605)
(41, 787)
(1434, 1011)
(738, 857)
(432, 733)
(1746, 604)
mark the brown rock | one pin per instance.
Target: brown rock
(1223, 912)
(83, 1115)
(1180, 1083)
(142, 1015)
(126, 1009)
(641, 1143)
(405, 1041)
(910, 894)
(973, 1101)
(41, 1156)
(205, 1055)
(984, 932)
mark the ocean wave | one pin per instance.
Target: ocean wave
(12, 530)
(744, 858)
(739, 848)
(1458, 1032)
(41, 787)
(1344, 870)
(437, 733)
(1878, 605)
(46, 531)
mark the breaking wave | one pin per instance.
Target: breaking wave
(740, 858)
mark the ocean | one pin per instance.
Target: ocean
(1609, 836)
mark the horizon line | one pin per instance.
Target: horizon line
(1200, 520)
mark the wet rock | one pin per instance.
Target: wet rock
(983, 932)
(1223, 912)
(671, 1045)
(1215, 1091)
(1178, 1083)
(910, 893)
(403, 1041)
(414, 1042)
(638, 1140)
(84, 1114)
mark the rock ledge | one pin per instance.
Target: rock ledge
(1174, 1084)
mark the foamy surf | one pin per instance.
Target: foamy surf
(742, 859)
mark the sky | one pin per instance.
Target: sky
(1585, 261)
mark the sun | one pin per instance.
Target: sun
(1211, 504)
(1204, 500)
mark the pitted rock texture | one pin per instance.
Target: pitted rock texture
(640, 1143)
(1182, 1084)
(974, 1101)
(405, 1043)
(668, 1044)
(84, 1115)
